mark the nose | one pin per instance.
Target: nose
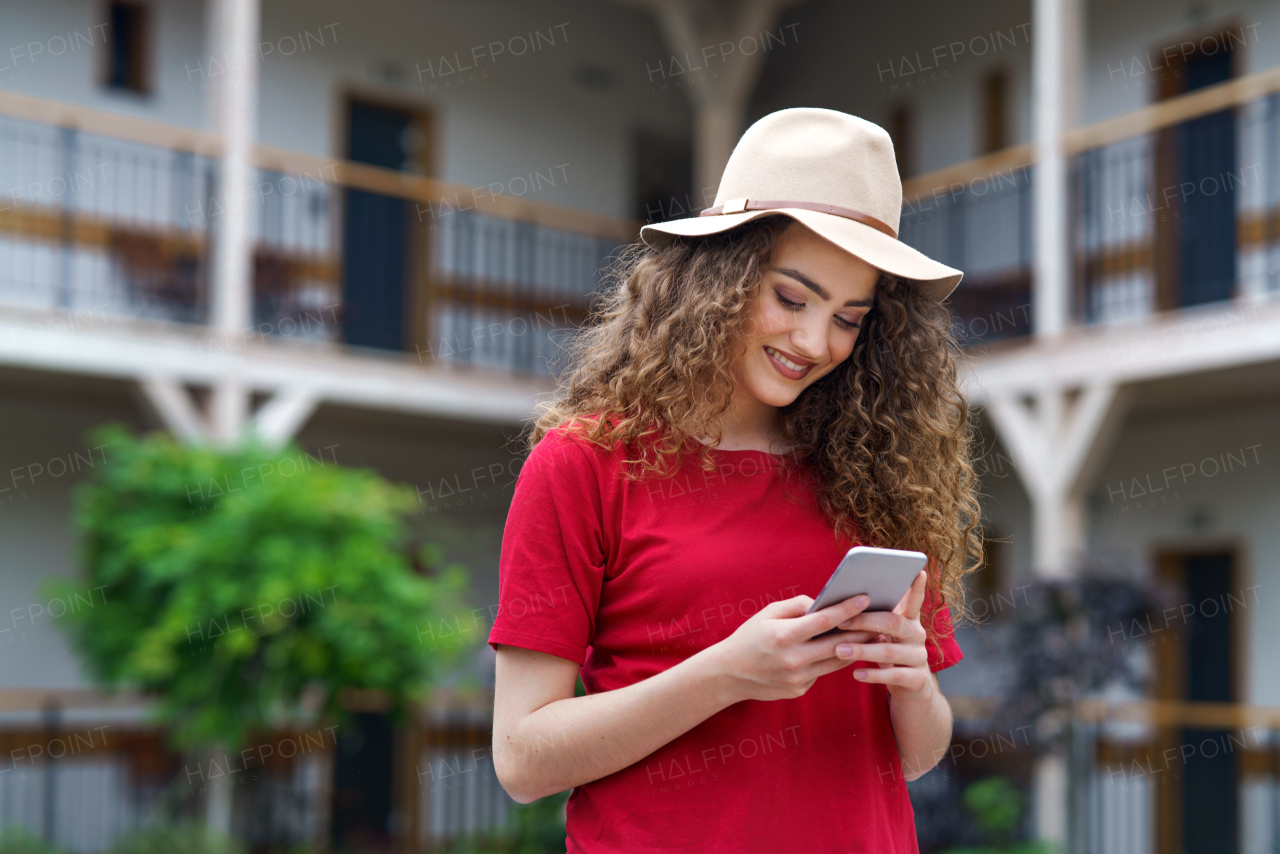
(809, 339)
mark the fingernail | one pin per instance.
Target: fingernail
(844, 650)
(846, 624)
(860, 674)
(862, 601)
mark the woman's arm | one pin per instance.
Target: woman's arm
(920, 714)
(546, 740)
(922, 726)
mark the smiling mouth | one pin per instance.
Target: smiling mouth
(785, 366)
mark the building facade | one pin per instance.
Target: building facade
(367, 230)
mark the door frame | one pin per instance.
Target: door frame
(421, 242)
(1166, 160)
(1169, 660)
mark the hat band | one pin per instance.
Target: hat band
(739, 205)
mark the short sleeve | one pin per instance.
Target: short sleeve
(942, 647)
(552, 562)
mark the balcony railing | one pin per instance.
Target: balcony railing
(1173, 205)
(1143, 777)
(1165, 777)
(112, 217)
(976, 217)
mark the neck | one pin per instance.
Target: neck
(749, 423)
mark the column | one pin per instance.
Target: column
(233, 36)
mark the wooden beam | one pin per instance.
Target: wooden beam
(283, 415)
(175, 408)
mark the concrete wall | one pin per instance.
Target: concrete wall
(1178, 478)
(46, 451)
(1204, 476)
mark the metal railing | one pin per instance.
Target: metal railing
(114, 217)
(1143, 777)
(1165, 776)
(99, 225)
(1179, 216)
(979, 222)
(1170, 206)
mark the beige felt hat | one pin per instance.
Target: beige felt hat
(834, 173)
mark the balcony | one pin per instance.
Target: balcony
(1131, 770)
(112, 219)
(1172, 206)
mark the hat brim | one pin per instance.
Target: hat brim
(936, 280)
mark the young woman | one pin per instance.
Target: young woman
(767, 385)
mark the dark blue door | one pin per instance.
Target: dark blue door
(1207, 153)
(1210, 790)
(375, 236)
(362, 784)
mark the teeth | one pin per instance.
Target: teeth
(784, 360)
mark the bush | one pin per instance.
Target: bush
(231, 583)
(166, 838)
(16, 839)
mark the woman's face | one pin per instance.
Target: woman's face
(813, 296)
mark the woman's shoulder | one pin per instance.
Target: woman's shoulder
(569, 444)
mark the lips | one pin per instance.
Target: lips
(783, 368)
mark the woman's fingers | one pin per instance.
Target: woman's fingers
(914, 598)
(911, 678)
(825, 646)
(888, 623)
(801, 629)
(898, 654)
(824, 666)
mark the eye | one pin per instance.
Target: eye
(791, 306)
(796, 306)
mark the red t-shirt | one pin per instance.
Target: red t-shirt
(628, 579)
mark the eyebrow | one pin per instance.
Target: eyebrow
(818, 289)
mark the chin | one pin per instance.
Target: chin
(775, 396)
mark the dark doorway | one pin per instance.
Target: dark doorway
(362, 784)
(1200, 807)
(377, 249)
(1196, 162)
(663, 178)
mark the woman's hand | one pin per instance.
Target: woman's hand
(774, 654)
(898, 648)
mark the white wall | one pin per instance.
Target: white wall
(39, 432)
(851, 56)
(55, 49)
(1205, 506)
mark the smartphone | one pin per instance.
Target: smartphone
(883, 574)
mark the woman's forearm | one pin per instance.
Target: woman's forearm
(573, 741)
(922, 726)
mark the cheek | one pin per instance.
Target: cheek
(769, 318)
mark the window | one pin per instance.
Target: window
(127, 39)
(995, 112)
(900, 131)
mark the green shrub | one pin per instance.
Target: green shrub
(229, 584)
(16, 839)
(170, 838)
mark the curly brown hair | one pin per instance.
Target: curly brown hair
(887, 432)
